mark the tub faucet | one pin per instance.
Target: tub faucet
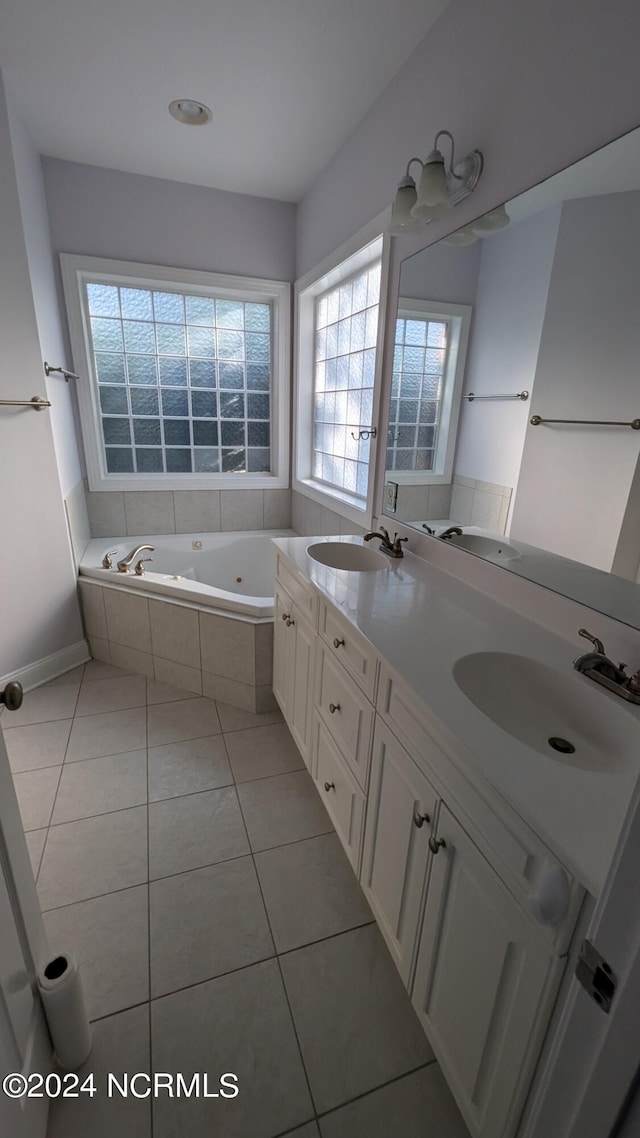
(597, 666)
(126, 563)
(391, 548)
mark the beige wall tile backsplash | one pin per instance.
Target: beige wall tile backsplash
(132, 512)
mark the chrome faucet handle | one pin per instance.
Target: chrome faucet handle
(107, 562)
(397, 541)
(428, 529)
(598, 645)
(385, 534)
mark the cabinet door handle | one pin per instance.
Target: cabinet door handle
(436, 844)
(286, 616)
(329, 786)
(290, 622)
(333, 707)
(420, 819)
(338, 643)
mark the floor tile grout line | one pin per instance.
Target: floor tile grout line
(55, 796)
(273, 941)
(379, 1087)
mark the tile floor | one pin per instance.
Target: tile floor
(181, 851)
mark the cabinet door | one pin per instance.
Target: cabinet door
(400, 816)
(302, 685)
(283, 654)
(484, 986)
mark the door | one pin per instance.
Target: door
(484, 986)
(24, 1041)
(400, 818)
(283, 652)
(301, 703)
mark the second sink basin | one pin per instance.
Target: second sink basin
(491, 548)
(346, 555)
(547, 710)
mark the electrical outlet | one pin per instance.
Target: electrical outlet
(390, 497)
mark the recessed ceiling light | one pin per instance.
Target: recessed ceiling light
(190, 112)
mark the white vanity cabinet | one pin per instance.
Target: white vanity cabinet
(455, 878)
(294, 641)
(485, 983)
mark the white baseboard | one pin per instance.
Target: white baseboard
(50, 667)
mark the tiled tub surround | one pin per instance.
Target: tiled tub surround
(465, 501)
(222, 657)
(186, 511)
(181, 851)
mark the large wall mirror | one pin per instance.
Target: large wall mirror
(537, 318)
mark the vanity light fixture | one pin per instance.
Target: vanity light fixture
(488, 223)
(189, 112)
(439, 190)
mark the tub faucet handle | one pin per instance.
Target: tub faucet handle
(107, 562)
(139, 569)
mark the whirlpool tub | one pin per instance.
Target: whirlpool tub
(200, 617)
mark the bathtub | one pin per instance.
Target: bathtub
(227, 571)
(200, 618)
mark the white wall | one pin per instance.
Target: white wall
(40, 614)
(35, 224)
(534, 86)
(444, 273)
(575, 481)
(515, 272)
(131, 217)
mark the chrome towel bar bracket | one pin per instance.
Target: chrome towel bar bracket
(49, 370)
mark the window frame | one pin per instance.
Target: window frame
(77, 271)
(451, 403)
(369, 244)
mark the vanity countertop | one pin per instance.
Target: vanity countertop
(421, 621)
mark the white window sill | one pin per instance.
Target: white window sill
(341, 502)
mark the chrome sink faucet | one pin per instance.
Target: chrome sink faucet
(126, 563)
(391, 548)
(597, 666)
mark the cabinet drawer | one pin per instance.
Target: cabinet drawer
(339, 791)
(345, 711)
(301, 592)
(353, 651)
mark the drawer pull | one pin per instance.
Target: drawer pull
(286, 616)
(436, 844)
(420, 819)
(333, 707)
(329, 786)
(338, 643)
(290, 622)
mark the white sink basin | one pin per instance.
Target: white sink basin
(546, 710)
(490, 548)
(345, 555)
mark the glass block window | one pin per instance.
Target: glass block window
(184, 381)
(420, 365)
(346, 328)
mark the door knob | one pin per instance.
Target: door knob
(436, 844)
(11, 697)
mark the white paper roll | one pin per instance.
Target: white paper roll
(63, 1000)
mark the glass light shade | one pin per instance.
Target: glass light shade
(492, 221)
(433, 194)
(402, 220)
